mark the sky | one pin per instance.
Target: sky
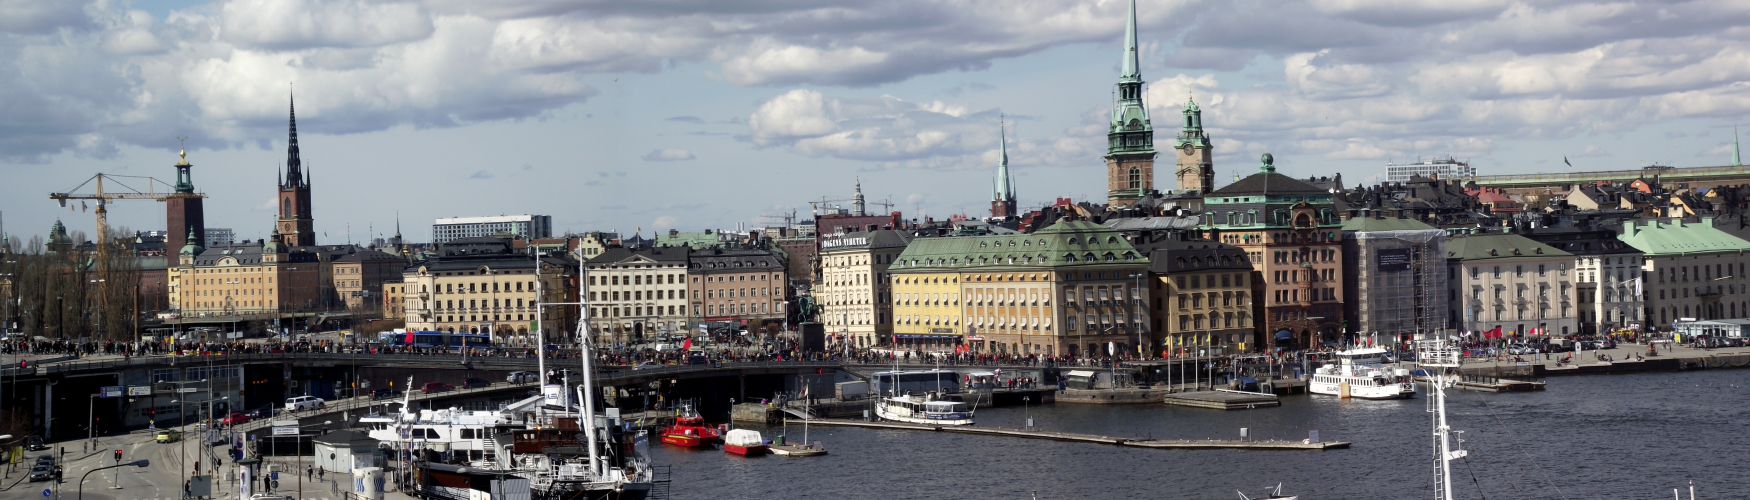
(694, 114)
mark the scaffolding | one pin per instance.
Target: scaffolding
(1401, 282)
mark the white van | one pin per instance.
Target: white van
(301, 403)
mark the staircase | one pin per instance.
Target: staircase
(659, 482)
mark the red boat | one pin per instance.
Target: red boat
(745, 442)
(691, 431)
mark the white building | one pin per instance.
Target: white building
(1445, 169)
(855, 296)
(521, 227)
(637, 294)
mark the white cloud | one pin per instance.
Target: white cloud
(669, 154)
(298, 24)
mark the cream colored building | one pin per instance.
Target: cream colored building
(395, 300)
(1691, 270)
(479, 285)
(637, 294)
(1513, 283)
(854, 293)
(245, 279)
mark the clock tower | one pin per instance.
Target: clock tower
(1196, 171)
(1130, 139)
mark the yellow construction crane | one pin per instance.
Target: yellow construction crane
(103, 197)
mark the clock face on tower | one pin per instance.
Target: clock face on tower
(1187, 148)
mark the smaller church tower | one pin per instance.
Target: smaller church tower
(857, 202)
(183, 210)
(1196, 170)
(1002, 199)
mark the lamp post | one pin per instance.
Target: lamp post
(137, 463)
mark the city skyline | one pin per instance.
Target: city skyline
(695, 116)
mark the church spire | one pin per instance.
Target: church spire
(1737, 154)
(1131, 73)
(1002, 202)
(294, 166)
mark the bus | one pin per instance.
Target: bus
(399, 337)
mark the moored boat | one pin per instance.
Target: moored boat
(1362, 373)
(745, 442)
(690, 430)
(923, 410)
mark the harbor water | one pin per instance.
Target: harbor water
(1621, 436)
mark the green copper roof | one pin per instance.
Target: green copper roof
(1369, 224)
(1659, 238)
(1498, 246)
(1005, 187)
(693, 240)
(1065, 244)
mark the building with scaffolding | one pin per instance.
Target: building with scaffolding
(1397, 283)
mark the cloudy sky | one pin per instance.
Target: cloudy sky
(693, 114)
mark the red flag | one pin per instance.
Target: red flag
(409, 340)
(688, 345)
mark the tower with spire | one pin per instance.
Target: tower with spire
(184, 211)
(857, 202)
(295, 226)
(1002, 199)
(1130, 149)
(1196, 170)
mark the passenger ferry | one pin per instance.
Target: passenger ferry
(1362, 373)
(925, 409)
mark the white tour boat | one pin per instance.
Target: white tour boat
(923, 410)
(1362, 373)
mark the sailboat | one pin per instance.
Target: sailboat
(807, 448)
(1275, 494)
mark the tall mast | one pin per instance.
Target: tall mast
(586, 415)
(540, 331)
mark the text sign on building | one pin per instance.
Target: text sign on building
(1391, 260)
(843, 242)
(285, 431)
(110, 391)
(139, 390)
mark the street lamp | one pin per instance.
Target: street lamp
(137, 463)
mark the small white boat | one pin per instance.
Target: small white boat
(1362, 373)
(923, 410)
(1273, 495)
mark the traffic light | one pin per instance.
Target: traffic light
(118, 456)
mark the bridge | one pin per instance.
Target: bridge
(1716, 175)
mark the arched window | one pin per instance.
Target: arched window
(285, 207)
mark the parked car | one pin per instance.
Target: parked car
(235, 418)
(436, 387)
(475, 383)
(301, 403)
(520, 377)
(35, 443)
(168, 436)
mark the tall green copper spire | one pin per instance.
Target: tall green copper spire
(1131, 72)
(1130, 139)
(1737, 155)
(1005, 188)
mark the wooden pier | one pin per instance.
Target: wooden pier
(1493, 384)
(1222, 399)
(1159, 444)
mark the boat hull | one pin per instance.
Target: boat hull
(798, 451)
(887, 414)
(1398, 391)
(685, 441)
(746, 451)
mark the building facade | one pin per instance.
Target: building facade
(1290, 231)
(1607, 275)
(742, 286)
(521, 227)
(481, 285)
(636, 294)
(1201, 298)
(854, 292)
(1130, 137)
(394, 304)
(1691, 270)
(1511, 286)
(242, 279)
(1396, 279)
(359, 277)
(1074, 288)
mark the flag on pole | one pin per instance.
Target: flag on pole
(688, 345)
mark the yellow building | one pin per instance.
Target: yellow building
(1072, 288)
(479, 285)
(245, 279)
